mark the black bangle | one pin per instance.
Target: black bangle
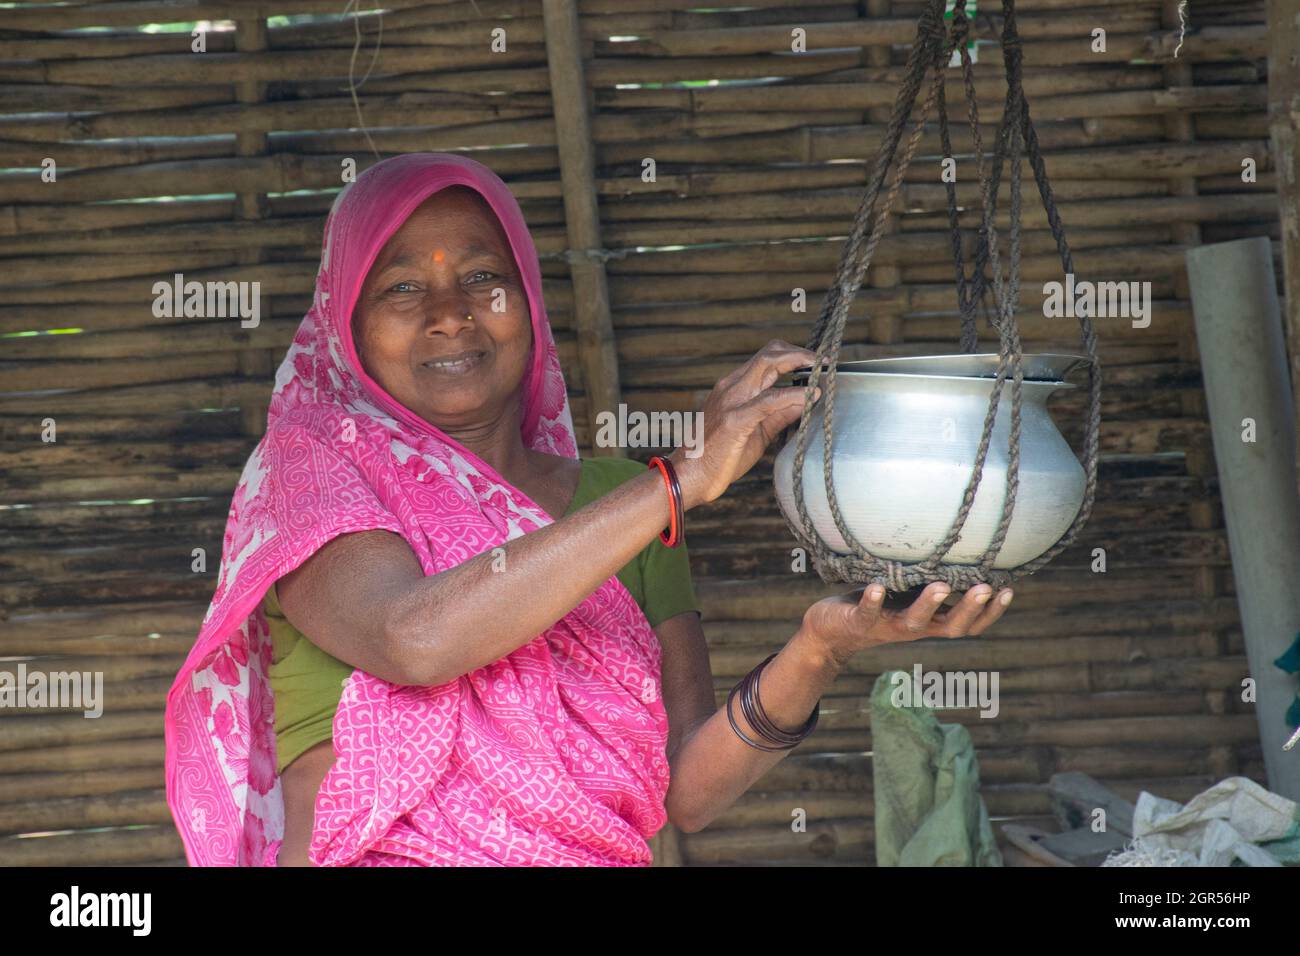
(731, 717)
(677, 503)
(753, 710)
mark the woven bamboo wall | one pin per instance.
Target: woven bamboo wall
(1132, 675)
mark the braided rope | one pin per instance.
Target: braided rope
(932, 51)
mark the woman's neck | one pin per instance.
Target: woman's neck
(500, 445)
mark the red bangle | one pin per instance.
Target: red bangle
(671, 537)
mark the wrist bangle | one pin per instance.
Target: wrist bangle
(774, 738)
(673, 535)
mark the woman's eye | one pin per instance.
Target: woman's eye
(482, 272)
(398, 287)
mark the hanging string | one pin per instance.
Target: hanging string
(353, 86)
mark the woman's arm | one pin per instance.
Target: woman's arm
(712, 767)
(364, 599)
(687, 677)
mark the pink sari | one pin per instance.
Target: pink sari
(553, 755)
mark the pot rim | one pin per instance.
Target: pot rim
(800, 377)
(1061, 365)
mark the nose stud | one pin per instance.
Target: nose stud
(470, 317)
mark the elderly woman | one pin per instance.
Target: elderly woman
(439, 636)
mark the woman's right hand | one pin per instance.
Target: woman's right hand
(741, 416)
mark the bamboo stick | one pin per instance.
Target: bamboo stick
(215, 392)
(132, 278)
(106, 587)
(828, 36)
(611, 129)
(257, 67)
(1195, 548)
(20, 788)
(149, 484)
(29, 732)
(782, 599)
(1240, 125)
(607, 129)
(123, 456)
(84, 428)
(117, 372)
(435, 110)
(592, 325)
(113, 668)
(826, 772)
(163, 644)
(71, 813)
(130, 14)
(878, 88)
(774, 808)
(181, 237)
(277, 173)
(93, 848)
(842, 840)
(704, 219)
(25, 220)
(284, 172)
(46, 99)
(1128, 41)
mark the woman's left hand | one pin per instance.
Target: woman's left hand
(847, 623)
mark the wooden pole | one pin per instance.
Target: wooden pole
(1284, 128)
(591, 317)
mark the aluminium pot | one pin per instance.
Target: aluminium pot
(903, 453)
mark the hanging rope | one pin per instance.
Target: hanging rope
(932, 51)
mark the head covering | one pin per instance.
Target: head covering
(552, 755)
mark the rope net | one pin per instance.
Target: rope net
(931, 52)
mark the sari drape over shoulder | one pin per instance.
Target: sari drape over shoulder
(552, 755)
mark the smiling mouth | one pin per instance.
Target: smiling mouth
(456, 365)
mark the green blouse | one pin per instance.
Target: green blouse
(307, 683)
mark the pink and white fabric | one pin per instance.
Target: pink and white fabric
(553, 755)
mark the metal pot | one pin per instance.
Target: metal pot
(903, 452)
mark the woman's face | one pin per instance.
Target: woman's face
(450, 259)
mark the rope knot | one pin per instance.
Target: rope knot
(932, 28)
